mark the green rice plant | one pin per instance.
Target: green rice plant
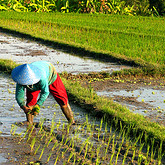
(58, 125)
(86, 149)
(70, 156)
(66, 140)
(91, 91)
(97, 153)
(63, 136)
(105, 131)
(140, 156)
(134, 153)
(49, 141)
(21, 133)
(52, 125)
(48, 159)
(74, 160)
(63, 127)
(66, 149)
(160, 154)
(113, 149)
(152, 150)
(27, 130)
(37, 148)
(92, 155)
(32, 143)
(126, 135)
(55, 145)
(138, 45)
(125, 155)
(12, 128)
(107, 146)
(42, 151)
(83, 145)
(56, 160)
(41, 125)
(147, 154)
(30, 134)
(59, 148)
(119, 149)
(44, 134)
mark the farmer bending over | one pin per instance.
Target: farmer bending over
(39, 77)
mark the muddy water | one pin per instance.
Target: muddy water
(24, 51)
(155, 99)
(11, 113)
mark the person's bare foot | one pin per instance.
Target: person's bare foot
(26, 123)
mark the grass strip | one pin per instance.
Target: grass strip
(135, 40)
(104, 107)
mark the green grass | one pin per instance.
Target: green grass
(138, 39)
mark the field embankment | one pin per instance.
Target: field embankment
(138, 41)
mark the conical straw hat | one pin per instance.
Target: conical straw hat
(26, 74)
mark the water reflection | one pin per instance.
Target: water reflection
(23, 51)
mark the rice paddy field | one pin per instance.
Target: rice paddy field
(106, 132)
(139, 39)
(52, 141)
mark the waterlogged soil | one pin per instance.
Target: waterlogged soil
(58, 150)
(22, 50)
(141, 95)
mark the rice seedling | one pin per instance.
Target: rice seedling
(91, 149)
(160, 154)
(33, 143)
(49, 141)
(125, 155)
(30, 134)
(41, 125)
(119, 149)
(113, 149)
(12, 128)
(56, 160)
(70, 156)
(42, 151)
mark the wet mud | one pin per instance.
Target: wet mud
(145, 96)
(25, 51)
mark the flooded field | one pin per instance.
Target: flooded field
(25, 51)
(146, 101)
(91, 140)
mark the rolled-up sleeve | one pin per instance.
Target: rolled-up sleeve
(20, 95)
(44, 91)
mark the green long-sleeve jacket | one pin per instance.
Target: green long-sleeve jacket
(49, 75)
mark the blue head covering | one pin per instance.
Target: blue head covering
(26, 74)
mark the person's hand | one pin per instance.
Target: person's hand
(36, 109)
(26, 109)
